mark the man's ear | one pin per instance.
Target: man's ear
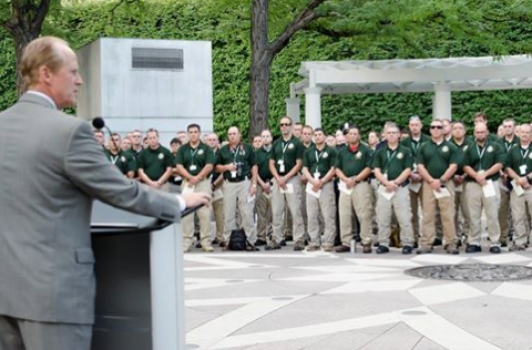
(45, 74)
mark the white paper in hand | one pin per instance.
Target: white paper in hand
(289, 189)
(489, 189)
(312, 192)
(442, 193)
(517, 189)
(385, 193)
(342, 186)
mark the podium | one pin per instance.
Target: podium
(139, 281)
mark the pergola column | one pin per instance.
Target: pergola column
(313, 106)
(441, 102)
(292, 108)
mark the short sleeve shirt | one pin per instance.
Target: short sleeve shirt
(287, 153)
(243, 154)
(352, 163)
(392, 162)
(319, 162)
(124, 161)
(414, 145)
(263, 163)
(520, 160)
(437, 158)
(195, 159)
(462, 148)
(483, 158)
(155, 162)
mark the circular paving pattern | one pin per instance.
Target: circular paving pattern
(472, 272)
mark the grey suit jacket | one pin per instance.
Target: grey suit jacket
(51, 168)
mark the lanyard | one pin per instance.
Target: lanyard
(390, 157)
(114, 159)
(523, 155)
(480, 155)
(235, 153)
(285, 147)
(193, 154)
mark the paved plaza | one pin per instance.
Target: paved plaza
(286, 300)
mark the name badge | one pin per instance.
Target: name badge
(233, 174)
(193, 168)
(522, 169)
(317, 175)
(281, 167)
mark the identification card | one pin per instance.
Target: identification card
(193, 168)
(522, 169)
(233, 174)
(317, 175)
(281, 168)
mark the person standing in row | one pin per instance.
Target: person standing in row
(195, 161)
(483, 162)
(286, 159)
(319, 169)
(264, 190)
(392, 165)
(353, 167)
(124, 161)
(236, 161)
(155, 163)
(217, 181)
(437, 162)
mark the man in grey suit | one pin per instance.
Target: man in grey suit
(51, 168)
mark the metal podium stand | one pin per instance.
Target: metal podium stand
(139, 279)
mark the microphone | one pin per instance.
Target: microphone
(99, 123)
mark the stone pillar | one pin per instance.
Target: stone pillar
(292, 109)
(313, 107)
(441, 102)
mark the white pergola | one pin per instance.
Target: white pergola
(441, 76)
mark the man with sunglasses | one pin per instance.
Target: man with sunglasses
(437, 162)
(286, 159)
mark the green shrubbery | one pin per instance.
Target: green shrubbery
(226, 24)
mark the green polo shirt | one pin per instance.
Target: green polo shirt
(319, 162)
(195, 159)
(413, 145)
(243, 154)
(288, 152)
(393, 162)
(483, 158)
(506, 146)
(352, 163)
(437, 158)
(468, 141)
(517, 157)
(263, 163)
(155, 162)
(123, 160)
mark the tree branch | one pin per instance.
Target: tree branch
(41, 15)
(307, 15)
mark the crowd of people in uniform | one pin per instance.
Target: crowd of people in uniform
(397, 188)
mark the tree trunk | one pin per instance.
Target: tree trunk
(24, 26)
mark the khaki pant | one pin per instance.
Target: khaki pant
(263, 207)
(294, 206)
(374, 197)
(218, 209)
(461, 212)
(360, 201)
(521, 210)
(505, 215)
(475, 202)
(327, 207)
(204, 216)
(236, 195)
(446, 206)
(385, 210)
(303, 200)
(415, 203)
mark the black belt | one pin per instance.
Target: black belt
(236, 180)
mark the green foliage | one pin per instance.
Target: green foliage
(353, 30)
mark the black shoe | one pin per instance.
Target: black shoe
(260, 242)
(376, 244)
(495, 250)
(342, 249)
(366, 248)
(357, 238)
(252, 248)
(288, 238)
(272, 246)
(437, 242)
(416, 245)
(383, 249)
(407, 250)
(283, 243)
(473, 248)
(299, 246)
(215, 241)
(221, 244)
(198, 245)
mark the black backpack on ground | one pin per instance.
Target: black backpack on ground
(239, 241)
